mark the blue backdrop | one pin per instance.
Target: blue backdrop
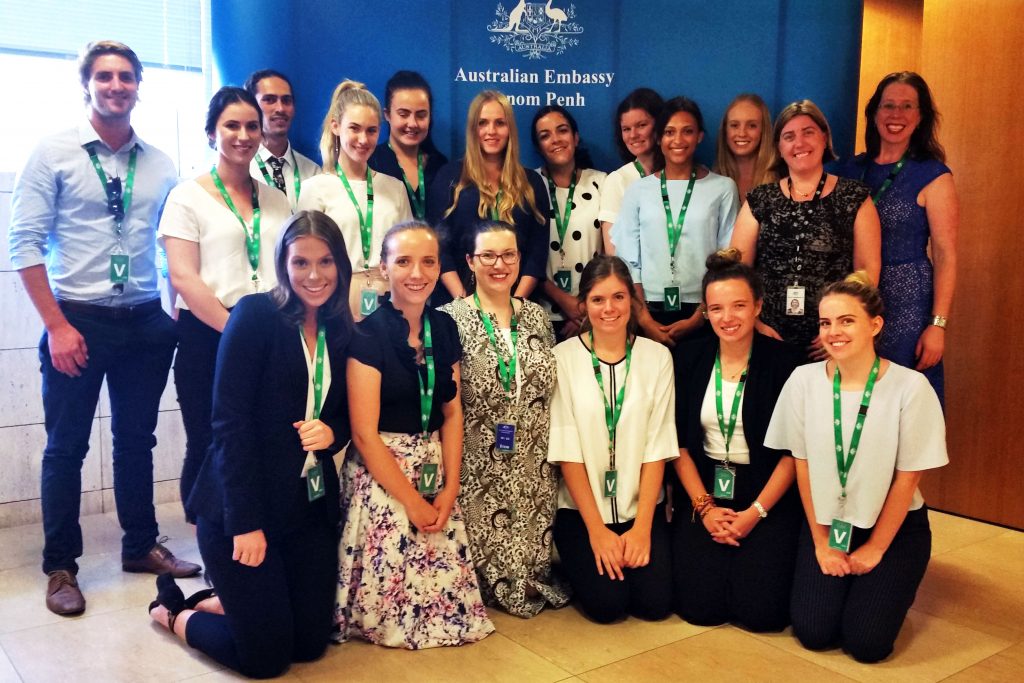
(707, 50)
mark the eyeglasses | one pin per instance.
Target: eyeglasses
(892, 107)
(489, 258)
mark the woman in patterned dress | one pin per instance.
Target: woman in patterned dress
(919, 211)
(805, 231)
(508, 490)
(406, 578)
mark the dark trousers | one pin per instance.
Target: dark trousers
(133, 352)
(645, 593)
(749, 584)
(277, 613)
(194, 367)
(862, 614)
(663, 317)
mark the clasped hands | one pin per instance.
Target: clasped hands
(837, 563)
(614, 552)
(727, 526)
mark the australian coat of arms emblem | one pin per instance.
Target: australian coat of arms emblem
(535, 29)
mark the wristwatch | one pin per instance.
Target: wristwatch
(939, 321)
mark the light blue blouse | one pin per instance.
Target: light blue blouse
(640, 234)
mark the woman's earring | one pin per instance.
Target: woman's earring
(472, 279)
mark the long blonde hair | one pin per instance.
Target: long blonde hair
(515, 186)
(346, 94)
(725, 162)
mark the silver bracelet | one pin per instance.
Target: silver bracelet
(760, 509)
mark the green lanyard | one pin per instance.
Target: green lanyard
(126, 193)
(639, 168)
(562, 221)
(417, 197)
(365, 223)
(506, 369)
(843, 462)
(270, 181)
(675, 229)
(427, 392)
(252, 240)
(318, 368)
(495, 216)
(888, 181)
(612, 412)
(727, 429)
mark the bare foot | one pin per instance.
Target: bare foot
(159, 614)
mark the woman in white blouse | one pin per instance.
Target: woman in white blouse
(634, 140)
(612, 429)
(219, 231)
(364, 203)
(862, 431)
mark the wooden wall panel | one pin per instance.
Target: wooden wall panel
(972, 58)
(970, 54)
(891, 42)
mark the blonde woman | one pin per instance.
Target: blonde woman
(490, 184)
(745, 150)
(364, 203)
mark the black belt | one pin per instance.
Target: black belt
(110, 312)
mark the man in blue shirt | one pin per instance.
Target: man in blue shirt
(83, 238)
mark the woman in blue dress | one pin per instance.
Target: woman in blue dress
(916, 199)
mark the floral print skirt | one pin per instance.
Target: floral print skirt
(397, 586)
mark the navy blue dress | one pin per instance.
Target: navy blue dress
(531, 234)
(906, 282)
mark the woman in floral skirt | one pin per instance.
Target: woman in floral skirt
(406, 578)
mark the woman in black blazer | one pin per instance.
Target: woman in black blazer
(732, 560)
(266, 500)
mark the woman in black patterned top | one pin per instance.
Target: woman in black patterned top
(508, 491)
(807, 230)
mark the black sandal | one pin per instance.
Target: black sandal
(192, 601)
(169, 596)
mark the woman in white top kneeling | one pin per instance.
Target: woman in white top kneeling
(612, 429)
(862, 431)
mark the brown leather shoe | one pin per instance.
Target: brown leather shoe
(62, 593)
(160, 560)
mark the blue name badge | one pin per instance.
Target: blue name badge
(505, 437)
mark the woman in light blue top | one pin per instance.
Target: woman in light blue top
(670, 222)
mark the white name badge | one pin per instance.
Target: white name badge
(795, 297)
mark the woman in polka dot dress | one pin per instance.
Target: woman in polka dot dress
(575, 193)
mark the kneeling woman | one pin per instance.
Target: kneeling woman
(406, 578)
(867, 543)
(731, 560)
(508, 487)
(266, 498)
(610, 528)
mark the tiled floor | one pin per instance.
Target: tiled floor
(967, 625)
